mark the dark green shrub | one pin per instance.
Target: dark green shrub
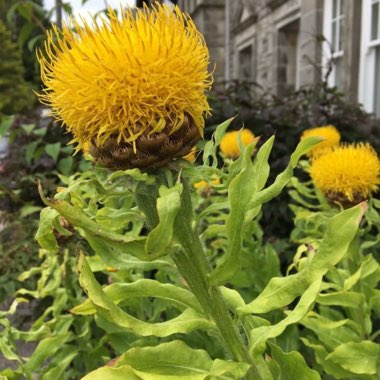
(15, 95)
(37, 150)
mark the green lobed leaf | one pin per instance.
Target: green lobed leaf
(283, 178)
(281, 291)
(187, 321)
(66, 357)
(343, 299)
(328, 366)
(210, 147)
(95, 233)
(239, 194)
(362, 358)
(291, 365)
(117, 292)
(124, 372)
(175, 360)
(125, 256)
(168, 205)
(260, 335)
(45, 236)
(45, 349)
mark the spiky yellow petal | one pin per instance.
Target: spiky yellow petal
(141, 74)
(347, 172)
(204, 184)
(192, 156)
(229, 145)
(331, 138)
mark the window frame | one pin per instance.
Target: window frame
(327, 53)
(367, 72)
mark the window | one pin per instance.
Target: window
(375, 43)
(369, 82)
(246, 63)
(333, 48)
(287, 57)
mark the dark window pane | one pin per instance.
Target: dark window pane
(340, 47)
(333, 37)
(376, 97)
(245, 63)
(375, 22)
(338, 77)
(334, 10)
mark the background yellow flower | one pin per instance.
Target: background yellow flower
(229, 145)
(328, 132)
(118, 80)
(347, 172)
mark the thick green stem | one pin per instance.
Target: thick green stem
(193, 265)
(195, 269)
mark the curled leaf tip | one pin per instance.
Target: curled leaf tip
(364, 206)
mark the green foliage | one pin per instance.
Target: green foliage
(145, 269)
(180, 284)
(30, 156)
(343, 330)
(169, 361)
(287, 117)
(28, 22)
(15, 95)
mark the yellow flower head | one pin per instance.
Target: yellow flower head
(328, 132)
(125, 82)
(229, 145)
(347, 172)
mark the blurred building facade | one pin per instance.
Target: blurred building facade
(286, 44)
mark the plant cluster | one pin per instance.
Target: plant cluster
(153, 266)
(288, 117)
(15, 95)
(36, 149)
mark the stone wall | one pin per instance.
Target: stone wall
(279, 39)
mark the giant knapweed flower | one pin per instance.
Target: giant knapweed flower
(132, 87)
(331, 138)
(229, 145)
(347, 173)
